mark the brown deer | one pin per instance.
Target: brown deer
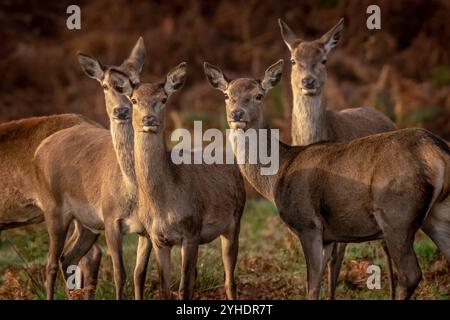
(312, 122)
(86, 173)
(185, 204)
(18, 204)
(385, 186)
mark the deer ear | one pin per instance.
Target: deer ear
(91, 66)
(120, 82)
(215, 76)
(331, 38)
(289, 37)
(175, 79)
(135, 61)
(272, 75)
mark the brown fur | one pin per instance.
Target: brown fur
(384, 186)
(312, 122)
(87, 173)
(184, 205)
(18, 142)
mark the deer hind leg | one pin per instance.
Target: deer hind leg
(334, 267)
(316, 254)
(162, 254)
(230, 248)
(437, 227)
(81, 243)
(399, 241)
(90, 266)
(143, 251)
(113, 237)
(409, 273)
(389, 266)
(189, 254)
(57, 232)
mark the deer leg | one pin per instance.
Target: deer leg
(189, 254)
(143, 251)
(437, 227)
(84, 241)
(391, 276)
(162, 255)
(315, 254)
(334, 267)
(230, 248)
(405, 260)
(90, 265)
(57, 231)
(114, 242)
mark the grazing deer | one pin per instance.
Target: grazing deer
(87, 173)
(312, 122)
(18, 204)
(184, 205)
(385, 186)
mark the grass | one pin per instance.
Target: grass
(271, 265)
(440, 75)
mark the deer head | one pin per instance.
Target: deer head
(308, 58)
(148, 99)
(118, 107)
(243, 96)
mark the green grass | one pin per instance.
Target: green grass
(440, 76)
(271, 264)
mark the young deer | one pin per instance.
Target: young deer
(184, 205)
(18, 204)
(87, 173)
(384, 186)
(312, 122)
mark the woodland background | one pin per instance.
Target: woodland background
(402, 69)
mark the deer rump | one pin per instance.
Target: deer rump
(18, 142)
(357, 189)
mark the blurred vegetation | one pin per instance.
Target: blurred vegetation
(41, 73)
(271, 265)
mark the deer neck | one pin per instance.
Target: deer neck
(309, 118)
(123, 142)
(153, 171)
(264, 184)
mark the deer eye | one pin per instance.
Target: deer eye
(259, 97)
(292, 61)
(133, 101)
(226, 96)
(164, 100)
(105, 87)
(324, 61)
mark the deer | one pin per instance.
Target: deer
(312, 122)
(18, 204)
(180, 205)
(380, 187)
(86, 174)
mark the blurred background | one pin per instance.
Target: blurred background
(402, 70)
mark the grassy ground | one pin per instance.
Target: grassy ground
(271, 265)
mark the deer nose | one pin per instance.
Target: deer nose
(237, 115)
(121, 113)
(150, 121)
(309, 82)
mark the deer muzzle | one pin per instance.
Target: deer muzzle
(150, 124)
